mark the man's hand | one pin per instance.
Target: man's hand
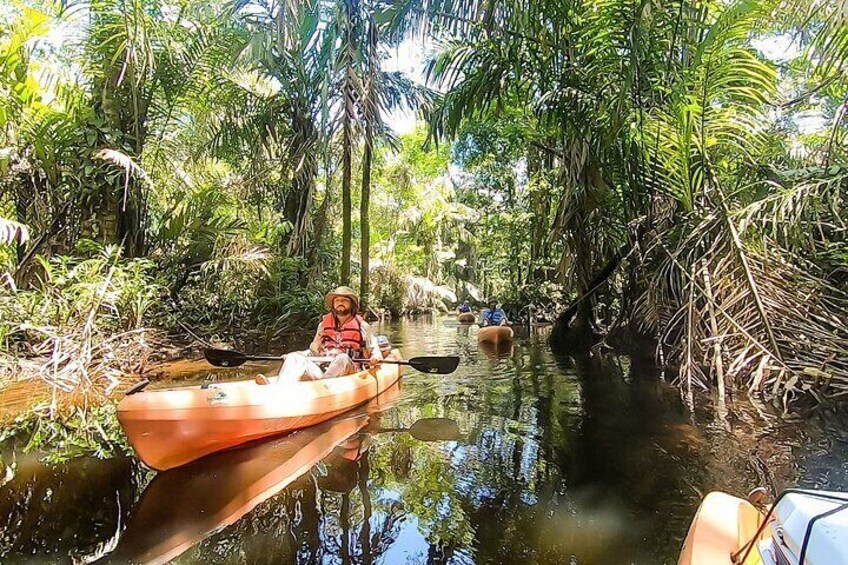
(374, 361)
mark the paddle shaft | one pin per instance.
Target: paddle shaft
(229, 358)
(330, 359)
(265, 357)
(325, 359)
(316, 359)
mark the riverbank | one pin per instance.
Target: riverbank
(27, 382)
(40, 415)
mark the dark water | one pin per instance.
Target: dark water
(517, 457)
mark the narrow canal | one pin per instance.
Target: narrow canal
(518, 457)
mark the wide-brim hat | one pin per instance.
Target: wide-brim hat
(345, 291)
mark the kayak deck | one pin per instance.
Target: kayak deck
(801, 526)
(495, 334)
(722, 525)
(172, 427)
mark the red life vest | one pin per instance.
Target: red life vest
(343, 339)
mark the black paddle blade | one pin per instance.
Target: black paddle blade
(435, 429)
(225, 357)
(435, 365)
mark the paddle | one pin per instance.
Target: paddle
(430, 429)
(437, 365)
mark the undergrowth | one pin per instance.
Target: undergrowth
(93, 431)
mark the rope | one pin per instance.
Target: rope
(749, 546)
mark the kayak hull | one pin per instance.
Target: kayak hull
(466, 318)
(722, 525)
(184, 506)
(169, 428)
(495, 334)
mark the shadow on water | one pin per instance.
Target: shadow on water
(50, 513)
(518, 456)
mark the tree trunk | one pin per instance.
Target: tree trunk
(299, 200)
(346, 201)
(364, 226)
(131, 220)
(347, 142)
(325, 146)
(371, 114)
(320, 223)
(562, 336)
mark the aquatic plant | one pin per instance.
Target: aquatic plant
(78, 431)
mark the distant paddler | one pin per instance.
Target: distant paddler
(493, 325)
(493, 315)
(466, 316)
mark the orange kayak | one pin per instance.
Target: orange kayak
(495, 334)
(807, 526)
(467, 318)
(184, 506)
(171, 427)
(722, 525)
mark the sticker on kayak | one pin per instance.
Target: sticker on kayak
(219, 397)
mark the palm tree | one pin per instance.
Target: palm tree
(371, 117)
(365, 93)
(382, 92)
(349, 63)
(269, 111)
(658, 121)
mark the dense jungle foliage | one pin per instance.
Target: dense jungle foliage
(675, 172)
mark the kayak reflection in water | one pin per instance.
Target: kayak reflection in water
(342, 334)
(496, 350)
(183, 506)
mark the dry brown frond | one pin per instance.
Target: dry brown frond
(759, 319)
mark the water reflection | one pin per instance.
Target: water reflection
(518, 456)
(430, 429)
(496, 350)
(182, 506)
(50, 513)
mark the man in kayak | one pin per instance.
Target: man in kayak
(464, 307)
(342, 335)
(493, 316)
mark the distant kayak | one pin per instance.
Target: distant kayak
(467, 318)
(727, 530)
(172, 427)
(495, 334)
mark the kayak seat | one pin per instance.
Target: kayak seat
(385, 345)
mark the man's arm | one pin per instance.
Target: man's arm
(315, 346)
